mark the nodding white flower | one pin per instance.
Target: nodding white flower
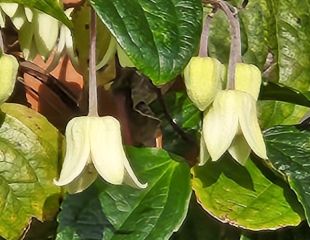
(94, 145)
(231, 124)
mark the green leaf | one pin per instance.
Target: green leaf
(28, 165)
(159, 36)
(244, 196)
(280, 92)
(119, 212)
(253, 23)
(288, 35)
(50, 7)
(289, 153)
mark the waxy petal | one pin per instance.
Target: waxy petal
(107, 151)
(84, 180)
(220, 124)
(130, 177)
(77, 150)
(240, 149)
(9, 8)
(249, 124)
(248, 79)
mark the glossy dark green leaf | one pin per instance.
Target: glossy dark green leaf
(28, 165)
(280, 92)
(288, 36)
(119, 212)
(253, 22)
(159, 36)
(244, 196)
(289, 153)
(50, 7)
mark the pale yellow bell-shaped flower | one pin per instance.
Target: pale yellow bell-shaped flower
(203, 79)
(94, 145)
(231, 124)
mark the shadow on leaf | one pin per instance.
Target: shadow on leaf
(82, 215)
(211, 172)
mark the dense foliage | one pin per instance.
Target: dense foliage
(175, 178)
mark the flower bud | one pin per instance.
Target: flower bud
(8, 72)
(202, 78)
(248, 78)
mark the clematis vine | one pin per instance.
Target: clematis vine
(94, 144)
(231, 123)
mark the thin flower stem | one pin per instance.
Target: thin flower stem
(1, 42)
(93, 100)
(235, 46)
(203, 50)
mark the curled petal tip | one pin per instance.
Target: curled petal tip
(144, 185)
(135, 183)
(130, 177)
(141, 185)
(56, 182)
(262, 154)
(61, 181)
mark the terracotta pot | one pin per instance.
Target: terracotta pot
(71, 1)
